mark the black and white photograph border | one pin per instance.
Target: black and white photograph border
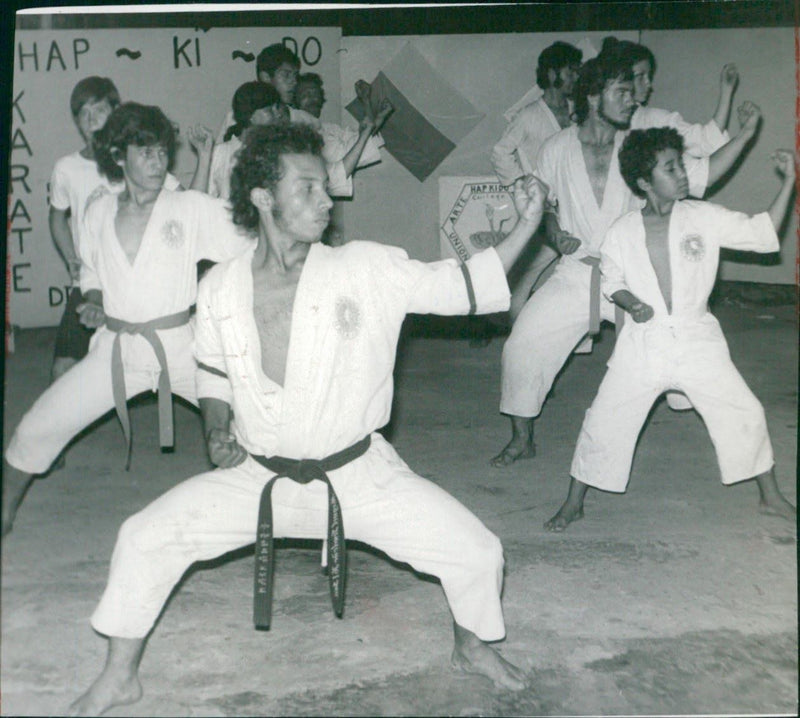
(676, 597)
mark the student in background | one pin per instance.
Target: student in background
(515, 153)
(278, 66)
(700, 139)
(254, 103)
(74, 180)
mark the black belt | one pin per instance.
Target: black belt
(303, 471)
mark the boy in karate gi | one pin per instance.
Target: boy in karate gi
(296, 346)
(139, 253)
(76, 180)
(660, 264)
(579, 165)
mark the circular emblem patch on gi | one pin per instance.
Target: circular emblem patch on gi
(348, 317)
(693, 248)
(172, 233)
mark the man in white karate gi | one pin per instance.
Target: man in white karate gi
(514, 154)
(139, 253)
(660, 264)
(296, 345)
(579, 164)
(700, 139)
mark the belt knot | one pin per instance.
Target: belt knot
(303, 471)
(148, 331)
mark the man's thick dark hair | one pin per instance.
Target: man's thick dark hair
(248, 98)
(639, 154)
(593, 77)
(258, 164)
(633, 52)
(556, 56)
(132, 124)
(93, 89)
(273, 56)
(310, 78)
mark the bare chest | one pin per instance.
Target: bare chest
(597, 159)
(272, 309)
(130, 226)
(657, 243)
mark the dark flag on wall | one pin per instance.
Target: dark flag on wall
(430, 116)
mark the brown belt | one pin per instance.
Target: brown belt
(303, 471)
(594, 298)
(148, 331)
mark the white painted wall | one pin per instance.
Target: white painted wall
(493, 71)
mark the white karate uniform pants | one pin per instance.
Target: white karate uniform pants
(548, 329)
(84, 394)
(694, 359)
(384, 504)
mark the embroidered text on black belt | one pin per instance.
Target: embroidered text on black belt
(303, 471)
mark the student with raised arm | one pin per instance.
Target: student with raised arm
(700, 139)
(579, 165)
(659, 264)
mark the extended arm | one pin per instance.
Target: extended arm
(530, 195)
(202, 139)
(350, 160)
(725, 157)
(785, 163)
(727, 85)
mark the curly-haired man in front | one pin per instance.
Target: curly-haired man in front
(296, 347)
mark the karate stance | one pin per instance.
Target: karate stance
(579, 164)
(139, 251)
(296, 345)
(515, 153)
(659, 264)
(76, 180)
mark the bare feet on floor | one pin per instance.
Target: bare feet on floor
(109, 690)
(778, 506)
(471, 655)
(516, 449)
(565, 516)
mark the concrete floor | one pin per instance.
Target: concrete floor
(676, 597)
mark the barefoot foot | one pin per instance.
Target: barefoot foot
(516, 449)
(565, 516)
(109, 690)
(778, 506)
(471, 655)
